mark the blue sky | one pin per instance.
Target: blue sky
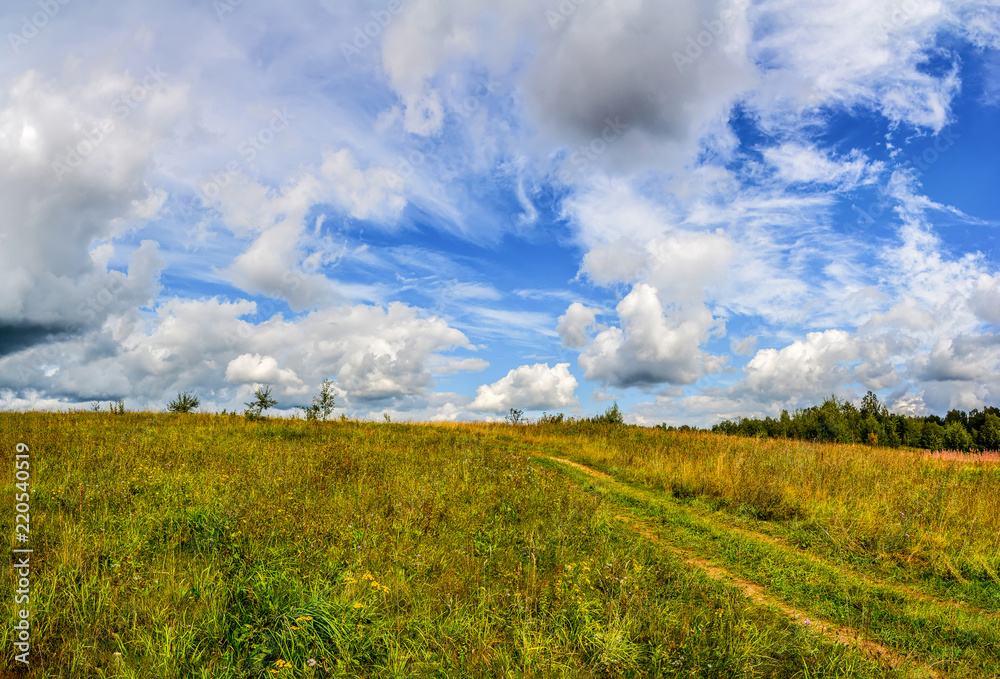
(698, 209)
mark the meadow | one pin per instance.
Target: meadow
(200, 545)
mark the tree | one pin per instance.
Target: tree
(515, 416)
(255, 409)
(892, 437)
(832, 421)
(322, 405)
(871, 431)
(959, 416)
(989, 433)
(870, 405)
(184, 403)
(956, 437)
(930, 438)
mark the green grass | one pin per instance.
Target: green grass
(931, 523)
(197, 545)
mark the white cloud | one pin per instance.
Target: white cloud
(744, 346)
(651, 348)
(633, 62)
(414, 48)
(612, 211)
(962, 359)
(276, 262)
(466, 290)
(372, 194)
(452, 367)
(805, 369)
(985, 299)
(856, 53)
(529, 387)
(256, 369)
(372, 353)
(574, 324)
(611, 263)
(796, 163)
(688, 265)
(75, 176)
(633, 239)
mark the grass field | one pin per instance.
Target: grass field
(210, 546)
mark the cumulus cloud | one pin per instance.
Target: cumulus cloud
(74, 177)
(612, 263)
(374, 354)
(631, 239)
(704, 219)
(256, 369)
(636, 63)
(687, 265)
(612, 211)
(574, 324)
(985, 299)
(811, 368)
(962, 358)
(651, 348)
(529, 387)
(372, 194)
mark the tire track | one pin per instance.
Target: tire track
(839, 634)
(791, 548)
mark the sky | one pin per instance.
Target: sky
(700, 209)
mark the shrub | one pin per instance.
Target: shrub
(184, 403)
(956, 437)
(323, 405)
(255, 409)
(612, 415)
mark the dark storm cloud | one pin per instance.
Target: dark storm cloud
(15, 337)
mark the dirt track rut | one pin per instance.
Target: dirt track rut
(836, 633)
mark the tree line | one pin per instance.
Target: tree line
(840, 421)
